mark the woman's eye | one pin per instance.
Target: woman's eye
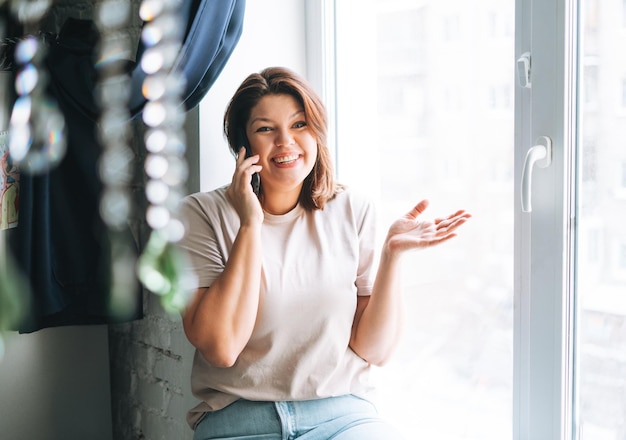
(261, 129)
(299, 124)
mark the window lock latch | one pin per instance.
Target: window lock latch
(523, 70)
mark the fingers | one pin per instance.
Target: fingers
(240, 192)
(440, 222)
(447, 226)
(241, 156)
(421, 207)
(241, 165)
(459, 213)
(452, 218)
(418, 209)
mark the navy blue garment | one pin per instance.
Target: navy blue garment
(213, 31)
(61, 244)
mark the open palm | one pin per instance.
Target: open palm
(411, 232)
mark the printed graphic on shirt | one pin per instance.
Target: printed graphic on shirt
(9, 186)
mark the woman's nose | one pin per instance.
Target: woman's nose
(284, 137)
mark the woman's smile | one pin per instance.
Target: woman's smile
(285, 160)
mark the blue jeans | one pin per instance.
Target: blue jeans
(337, 418)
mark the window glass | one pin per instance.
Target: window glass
(601, 257)
(425, 110)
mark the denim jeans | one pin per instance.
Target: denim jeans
(338, 418)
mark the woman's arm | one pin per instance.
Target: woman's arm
(379, 318)
(219, 320)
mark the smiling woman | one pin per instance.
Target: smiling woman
(294, 303)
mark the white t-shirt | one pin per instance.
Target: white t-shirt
(314, 266)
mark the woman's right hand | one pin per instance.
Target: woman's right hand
(240, 193)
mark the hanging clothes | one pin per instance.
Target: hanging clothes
(213, 31)
(61, 244)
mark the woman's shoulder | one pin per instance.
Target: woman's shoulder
(352, 196)
(215, 196)
(206, 202)
(351, 202)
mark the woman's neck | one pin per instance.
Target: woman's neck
(279, 203)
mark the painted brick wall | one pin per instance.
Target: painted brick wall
(150, 366)
(150, 359)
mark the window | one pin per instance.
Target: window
(601, 270)
(590, 85)
(589, 164)
(622, 257)
(500, 97)
(594, 246)
(620, 180)
(451, 28)
(500, 25)
(512, 334)
(424, 128)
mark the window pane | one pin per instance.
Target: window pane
(425, 110)
(601, 256)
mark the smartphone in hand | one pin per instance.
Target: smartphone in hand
(256, 180)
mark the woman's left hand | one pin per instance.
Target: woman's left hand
(410, 232)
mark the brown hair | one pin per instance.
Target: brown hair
(319, 186)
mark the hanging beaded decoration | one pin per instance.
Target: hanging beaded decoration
(34, 141)
(11, 283)
(161, 266)
(37, 127)
(115, 166)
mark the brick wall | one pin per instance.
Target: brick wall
(150, 365)
(150, 359)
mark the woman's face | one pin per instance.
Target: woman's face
(279, 134)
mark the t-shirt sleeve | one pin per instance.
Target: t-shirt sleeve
(203, 247)
(368, 258)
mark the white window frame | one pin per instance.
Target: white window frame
(320, 57)
(544, 294)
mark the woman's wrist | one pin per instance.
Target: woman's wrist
(389, 253)
(253, 226)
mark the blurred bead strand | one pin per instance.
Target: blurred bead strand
(6, 292)
(115, 165)
(5, 68)
(162, 265)
(37, 126)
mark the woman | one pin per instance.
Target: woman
(293, 304)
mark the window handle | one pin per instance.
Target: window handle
(541, 155)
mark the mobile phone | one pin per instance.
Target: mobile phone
(256, 179)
